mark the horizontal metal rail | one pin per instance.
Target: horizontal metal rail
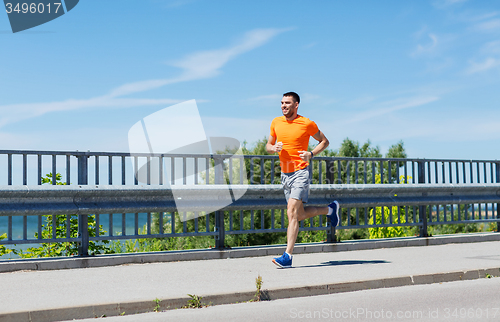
(84, 200)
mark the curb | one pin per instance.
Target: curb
(255, 251)
(115, 309)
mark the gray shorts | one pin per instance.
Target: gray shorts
(296, 184)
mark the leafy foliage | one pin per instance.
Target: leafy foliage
(394, 215)
(63, 224)
(4, 250)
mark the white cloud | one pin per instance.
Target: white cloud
(427, 48)
(492, 47)
(392, 106)
(200, 65)
(483, 66)
(487, 26)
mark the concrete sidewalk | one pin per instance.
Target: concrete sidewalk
(52, 295)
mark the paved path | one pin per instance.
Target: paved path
(467, 301)
(93, 292)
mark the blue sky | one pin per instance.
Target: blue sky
(425, 72)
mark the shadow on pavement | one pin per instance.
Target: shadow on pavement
(346, 262)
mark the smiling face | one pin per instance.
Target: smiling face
(289, 107)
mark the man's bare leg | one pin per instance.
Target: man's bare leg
(296, 212)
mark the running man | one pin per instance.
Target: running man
(289, 137)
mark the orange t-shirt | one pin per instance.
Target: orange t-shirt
(295, 136)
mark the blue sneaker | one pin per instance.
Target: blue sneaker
(285, 261)
(334, 217)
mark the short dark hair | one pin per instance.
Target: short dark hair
(295, 96)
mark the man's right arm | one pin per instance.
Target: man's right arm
(271, 147)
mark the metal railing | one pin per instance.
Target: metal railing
(102, 173)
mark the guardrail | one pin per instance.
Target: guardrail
(417, 205)
(23, 167)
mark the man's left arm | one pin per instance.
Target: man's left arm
(322, 145)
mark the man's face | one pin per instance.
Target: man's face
(289, 106)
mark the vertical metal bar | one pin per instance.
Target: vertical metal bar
(320, 171)
(498, 204)
(68, 169)
(123, 170)
(414, 179)
(136, 170)
(397, 171)
(9, 169)
(422, 209)
(136, 224)
(436, 175)
(68, 226)
(83, 249)
(365, 163)
(96, 169)
(25, 169)
(339, 170)
(124, 224)
(9, 228)
(54, 170)
(110, 223)
(184, 173)
(261, 160)
(373, 171)
(243, 173)
(429, 172)
(471, 173)
(25, 227)
(39, 227)
(478, 173)
(110, 169)
(406, 172)
(464, 178)
(381, 172)
(219, 222)
(230, 161)
(219, 215)
(356, 171)
(39, 164)
(348, 172)
(97, 223)
(148, 223)
(485, 173)
(389, 174)
(272, 172)
(196, 170)
(160, 223)
(207, 167)
(450, 172)
(148, 170)
(160, 172)
(251, 171)
(443, 173)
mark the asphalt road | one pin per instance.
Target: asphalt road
(474, 300)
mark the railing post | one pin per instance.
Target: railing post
(83, 227)
(219, 215)
(498, 204)
(422, 209)
(330, 171)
